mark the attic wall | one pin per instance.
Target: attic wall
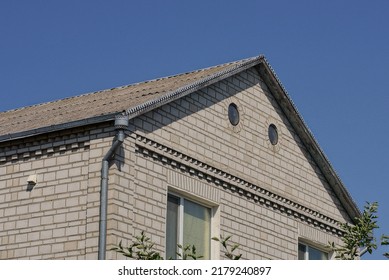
(268, 196)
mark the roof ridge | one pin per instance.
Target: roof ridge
(185, 89)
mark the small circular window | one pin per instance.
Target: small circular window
(233, 114)
(273, 134)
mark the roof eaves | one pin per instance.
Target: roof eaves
(57, 127)
(192, 87)
(307, 137)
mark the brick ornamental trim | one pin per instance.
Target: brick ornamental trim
(44, 147)
(187, 164)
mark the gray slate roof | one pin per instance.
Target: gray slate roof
(139, 98)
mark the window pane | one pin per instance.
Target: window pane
(172, 226)
(302, 249)
(273, 134)
(315, 254)
(197, 230)
(233, 114)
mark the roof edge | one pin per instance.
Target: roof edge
(57, 127)
(307, 137)
(192, 87)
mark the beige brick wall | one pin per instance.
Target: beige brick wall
(54, 219)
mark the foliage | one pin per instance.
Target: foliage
(187, 251)
(140, 249)
(229, 249)
(359, 239)
(384, 242)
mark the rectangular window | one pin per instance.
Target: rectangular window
(188, 223)
(307, 252)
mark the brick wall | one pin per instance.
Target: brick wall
(57, 217)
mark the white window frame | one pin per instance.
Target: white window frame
(180, 223)
(214, 220)
(306, 252)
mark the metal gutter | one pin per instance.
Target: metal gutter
(57, 127)
(121, 124)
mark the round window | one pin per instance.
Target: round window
(273, 134)
(233, 114)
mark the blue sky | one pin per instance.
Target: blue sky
(331, 56)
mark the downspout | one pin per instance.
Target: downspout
(121, 124)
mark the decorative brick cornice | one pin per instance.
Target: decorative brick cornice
(187, 164)
(58, 144)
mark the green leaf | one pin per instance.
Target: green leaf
(234, 247)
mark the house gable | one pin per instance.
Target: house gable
(281, 103)
(181, 140)
(197, 126)
(286, 105)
